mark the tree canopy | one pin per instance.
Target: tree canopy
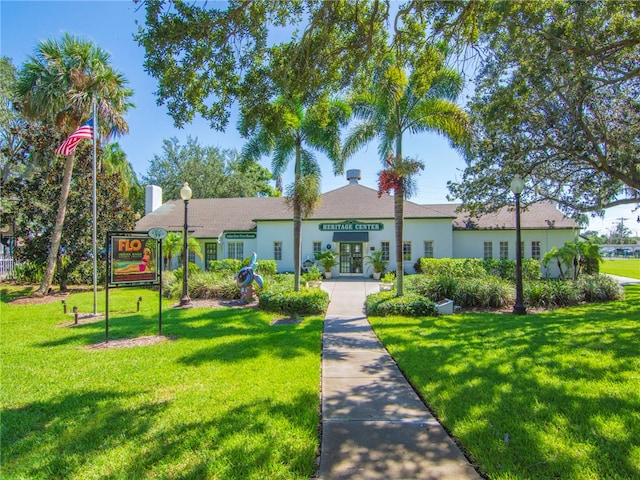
(210, 171)
(556, 100)
(206, 57)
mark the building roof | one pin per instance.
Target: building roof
(357, 201)
(210, 217)
(541, 215)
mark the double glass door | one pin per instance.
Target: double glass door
(350, 258)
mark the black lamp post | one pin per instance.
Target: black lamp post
(185, 193)
(517, 186)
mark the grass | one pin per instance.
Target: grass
(229, 397)
(545, 396)
(624, 267)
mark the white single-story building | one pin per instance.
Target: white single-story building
(353, 222)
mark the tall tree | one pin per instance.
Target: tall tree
(210, 171)
(114, 160)
(34, 217)
(58, 86)
(292, 131)
(557, 100)
(396, 103)
(207, 56)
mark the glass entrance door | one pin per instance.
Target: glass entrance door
(350, 258)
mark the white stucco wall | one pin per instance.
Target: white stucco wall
(416, 231)
(470, 243)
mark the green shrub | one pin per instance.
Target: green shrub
(453, 267)
(202, 285)
(383, 304)
(506, 269)
(551, 293)
(490, 292)
(281, 299)
(312, 275)
(599, 288)
(434, 288)
(267, 267)
(28, 272)
(227, 265)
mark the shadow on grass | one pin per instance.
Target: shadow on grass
(538, 396)
(81, 434)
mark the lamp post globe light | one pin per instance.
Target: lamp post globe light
(185, 194)
(517, 187)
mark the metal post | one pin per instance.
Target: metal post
(519, 307)
(185, 300)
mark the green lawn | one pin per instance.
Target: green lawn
(544, 396)
(623, 267)
(229, 397)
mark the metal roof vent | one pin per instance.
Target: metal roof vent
(353, 176)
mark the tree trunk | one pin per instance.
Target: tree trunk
(398, 214)
(297, 218)
(56, 236)
(398, 201)
(297, 243)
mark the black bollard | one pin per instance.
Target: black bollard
(139, 300)
(75, 312)
(64, 306)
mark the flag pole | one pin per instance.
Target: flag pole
(95, 221)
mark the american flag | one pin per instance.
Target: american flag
(69, 145)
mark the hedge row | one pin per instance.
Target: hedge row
(477, 268)
(411, 304)
(307, 301)
(487, 292)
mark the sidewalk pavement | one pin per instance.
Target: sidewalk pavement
(374, 426)
(624, 280)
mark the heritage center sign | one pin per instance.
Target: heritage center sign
(350, 227)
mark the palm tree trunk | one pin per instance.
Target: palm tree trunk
(398, 202)
(297, 218)
(398, 214)
(297, 243)
(56, 236)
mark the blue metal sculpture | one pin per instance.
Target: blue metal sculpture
(245, 279)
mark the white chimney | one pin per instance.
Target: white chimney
(353, 176)
(152, 198)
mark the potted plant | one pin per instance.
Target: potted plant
(313, 277)
(328, 261)
(378, 263)
(387, 281)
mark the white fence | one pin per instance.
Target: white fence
(6, 266)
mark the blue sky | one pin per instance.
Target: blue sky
(111, 25)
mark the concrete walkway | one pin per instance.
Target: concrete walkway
(374, 426)
(624, 280)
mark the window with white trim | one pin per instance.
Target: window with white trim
(235, 250)
(428, 248)
(535, 250)
(488, 250)
(386, 249)
(277, 250)
(317, 248)
(504, 250)
(406, 251)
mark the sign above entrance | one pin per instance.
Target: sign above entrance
(350, 227)
(237, 236)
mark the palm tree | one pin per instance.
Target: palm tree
(57, 86)
(554, 254)
(289, 131)
(171, 245)
(395, 104)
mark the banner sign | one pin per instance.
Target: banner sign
(350, 227)
(236, 236)
(134, 259)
